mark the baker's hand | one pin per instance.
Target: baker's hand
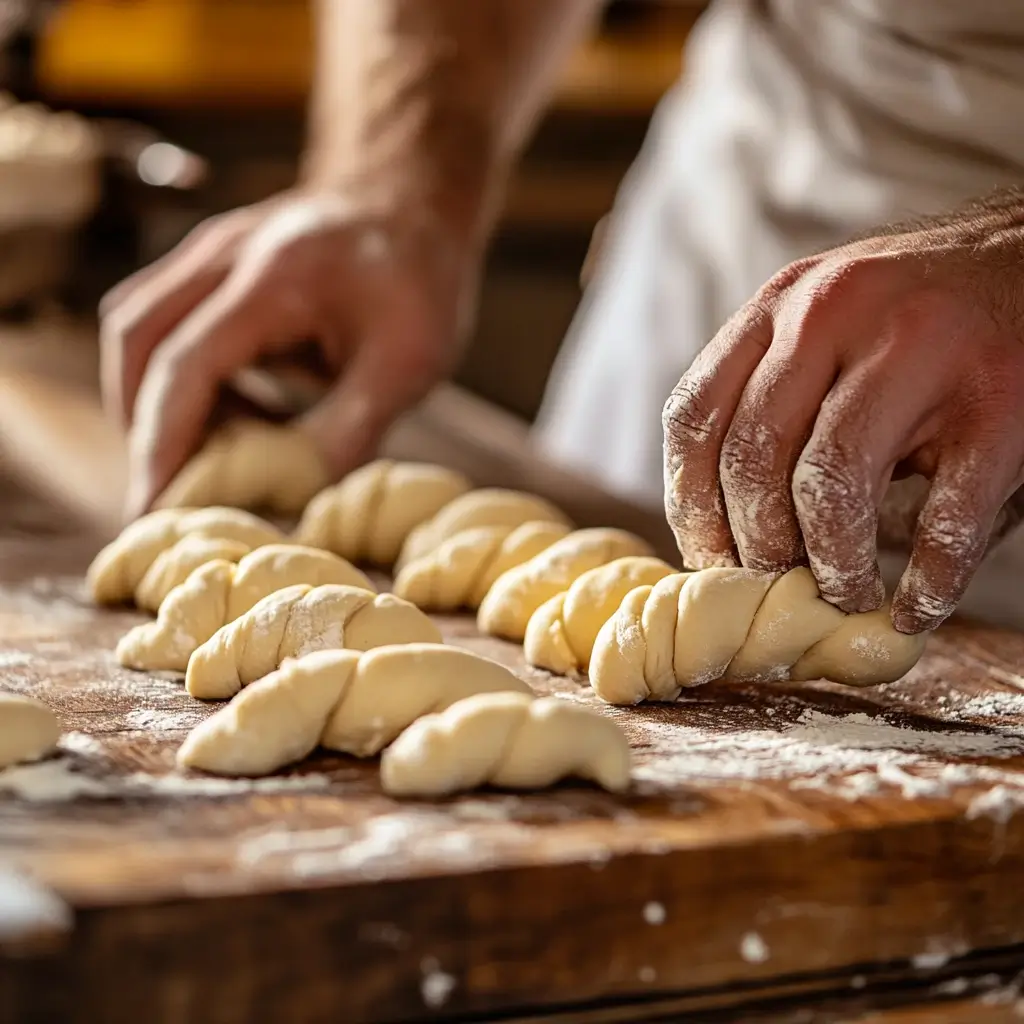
(901, 353)
(386, 301)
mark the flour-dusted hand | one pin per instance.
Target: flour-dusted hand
(895, 354)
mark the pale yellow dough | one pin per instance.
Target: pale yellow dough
(172, 567)
(740, 624)
(561, 632)
(218, 592)
(342, 700)
(459, 572)
(250, 464)
(117, 571)
(505, 740)
(367, 516)
(518, 593)
(29, 730)
(296, 621)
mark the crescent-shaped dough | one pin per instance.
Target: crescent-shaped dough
(561, 632)
(369, 514)
(460, 571)
(691, 628)
(250, 464)
(518, 593)
(296, 621)
(356, 703)
(172, 567)
(488, 506)
(29, 730)
(506, 740)
(219, 592)
(118, 569)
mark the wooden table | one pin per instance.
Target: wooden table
(799, 852)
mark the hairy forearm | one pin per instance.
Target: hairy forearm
(421, 105)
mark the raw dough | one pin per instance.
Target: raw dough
(218, 592)
(356, 703)
(459, 572)
(250, 464)
(369, 514)
(296, 621)
(518, 593)
(118, 569)
(29, 730)
(691, 628)
(506, 740)
(561, 632)
(172, 567)
(489, 506)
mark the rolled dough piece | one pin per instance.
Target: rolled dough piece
(29, 730)
(367, 516)
(172, 567)
(505, 740)
(691, 628)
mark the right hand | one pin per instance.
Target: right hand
(388, 303)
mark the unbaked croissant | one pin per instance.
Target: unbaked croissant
(117, 570)
(506, 740)
(29, 730)
(518, 593)
(172, 567)
(250, 464)
(355, 703)
(296, 621)
(369, 514)
(561, 632)
(740, 624)
(460, 571)
(218, 592)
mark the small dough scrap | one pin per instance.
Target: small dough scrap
(29, 730)
(219, 592)
(488, 506)
(253, 464)
(505, 740)
(460, 571)
(367, 516)
(296, 621)
(356, 703)
(518, 593)
(561, 632)
(172, 567)
(691, 628)
(115, 573)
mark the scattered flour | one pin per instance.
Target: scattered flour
(654, 913)
(753, 948)
(999, 803)
(26, 909)
(51, 781)
(12, 659)
(436, 985)
(149, 719)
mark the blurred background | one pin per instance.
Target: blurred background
(126, 122)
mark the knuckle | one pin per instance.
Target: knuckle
(749, 452)
(827, 480)
(688, 419)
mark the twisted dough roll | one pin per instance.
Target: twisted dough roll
(739, 624)
(355, 703)
(118, 569)
(250, 464)
(561, 632)
(369, 514)
(518, 593)
(459, 572)
(29, 730)
(488, 506)
(218, 592)
(172, 567)
(296, 621)
(507, 740)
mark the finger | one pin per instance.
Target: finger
(953, 532)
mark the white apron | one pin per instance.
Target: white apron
(798, 123)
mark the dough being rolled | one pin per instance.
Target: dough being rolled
(250, 464)
(518, 593)
(172, 567)
(356, 703)
(219, 592)
(691, 628)
(118, 569)
(488, 506)
(367, 516)
(561, 632)
(296, 621)
(29, 730)
(506, 740)
(460, 571)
